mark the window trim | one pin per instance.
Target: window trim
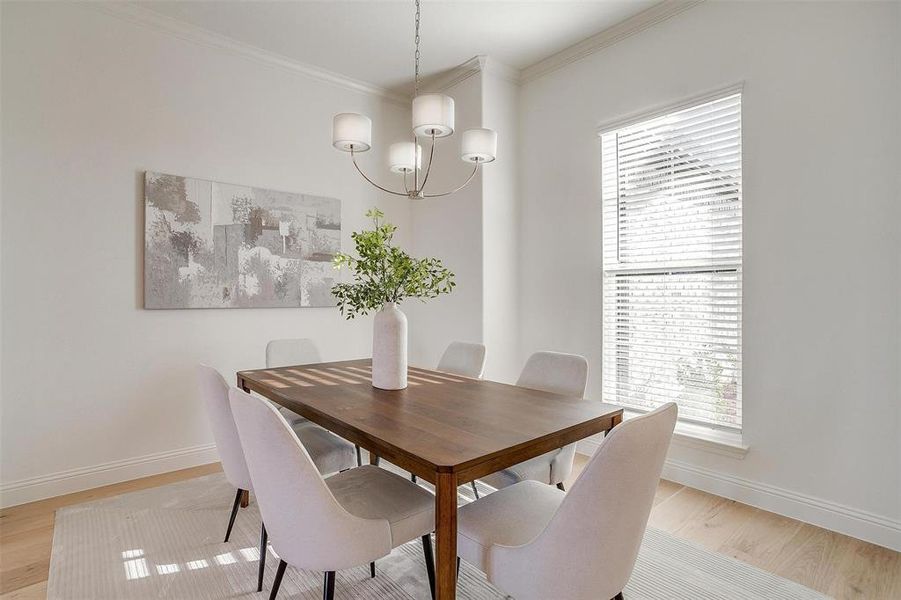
(703, 436)
(660, 110)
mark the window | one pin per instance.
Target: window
(671, 189)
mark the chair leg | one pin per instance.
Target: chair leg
(328, 586)
(458, 566)
(359, 456)
(560, 487)
(264, 537)
(231, 520)
(372, 569)
(279, 573)
(619, 596)
(429, 562)
(412, 477)
(475, 490)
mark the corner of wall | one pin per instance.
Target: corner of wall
(501, 223)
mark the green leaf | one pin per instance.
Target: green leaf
(385, 273)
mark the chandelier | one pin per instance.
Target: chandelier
(433, 118)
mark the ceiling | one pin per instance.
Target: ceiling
(372, 41)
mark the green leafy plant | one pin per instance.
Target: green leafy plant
(384, 273)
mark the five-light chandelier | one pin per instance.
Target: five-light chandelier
(433, 118)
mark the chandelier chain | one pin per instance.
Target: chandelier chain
(416, 41)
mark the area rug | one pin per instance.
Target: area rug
(166, 542)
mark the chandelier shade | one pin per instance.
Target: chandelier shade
(351, 131)
(433, 115)
(479, 145)
(401, 157)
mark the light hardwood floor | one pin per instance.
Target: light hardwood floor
(832, 563)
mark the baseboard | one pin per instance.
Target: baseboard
(840, 518)
(85, 478)
(860, 524)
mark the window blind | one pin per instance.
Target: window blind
(671, 193)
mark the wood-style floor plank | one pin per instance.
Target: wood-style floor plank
(810, 557)
(37, 591)
(861, 570)
(684, 508)
(760, 539)
(834, 564)
(665, 489)
(717, 523)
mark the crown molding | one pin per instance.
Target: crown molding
(192, 33)
(145, 17)
(643, 20)
(475, 65)
(448, 79)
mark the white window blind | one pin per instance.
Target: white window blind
(672, 262)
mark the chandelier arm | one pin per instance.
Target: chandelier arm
(359, 170)
(429, 167)
(465, 183)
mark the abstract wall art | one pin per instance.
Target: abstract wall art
(218, 245)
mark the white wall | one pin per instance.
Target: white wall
(500, 228)
(89, 379)
(822, 319)
(474, 231)
(450, 228)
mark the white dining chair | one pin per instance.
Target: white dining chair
(524, 537)
(288, 353)
(468, 360)
(462, 358)
(331, 453)
(558, 373)
(346, 520)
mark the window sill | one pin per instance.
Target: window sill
(709, 439)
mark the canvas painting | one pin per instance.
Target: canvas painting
(218, 245)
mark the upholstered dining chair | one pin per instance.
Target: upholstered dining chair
(348, 519)
(468, 360)
(462, 358)
(290, 352)
(287, 353)
(331, 453)
(524, 536)
(558, 373)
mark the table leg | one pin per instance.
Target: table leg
(446, 534)
(616, 420)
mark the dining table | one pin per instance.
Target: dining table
(444, 428)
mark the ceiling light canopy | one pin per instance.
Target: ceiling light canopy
(433, 118)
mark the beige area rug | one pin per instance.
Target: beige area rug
(166, 542)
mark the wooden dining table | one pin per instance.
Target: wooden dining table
(444, 428)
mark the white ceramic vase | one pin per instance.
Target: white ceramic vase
(389, 348)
